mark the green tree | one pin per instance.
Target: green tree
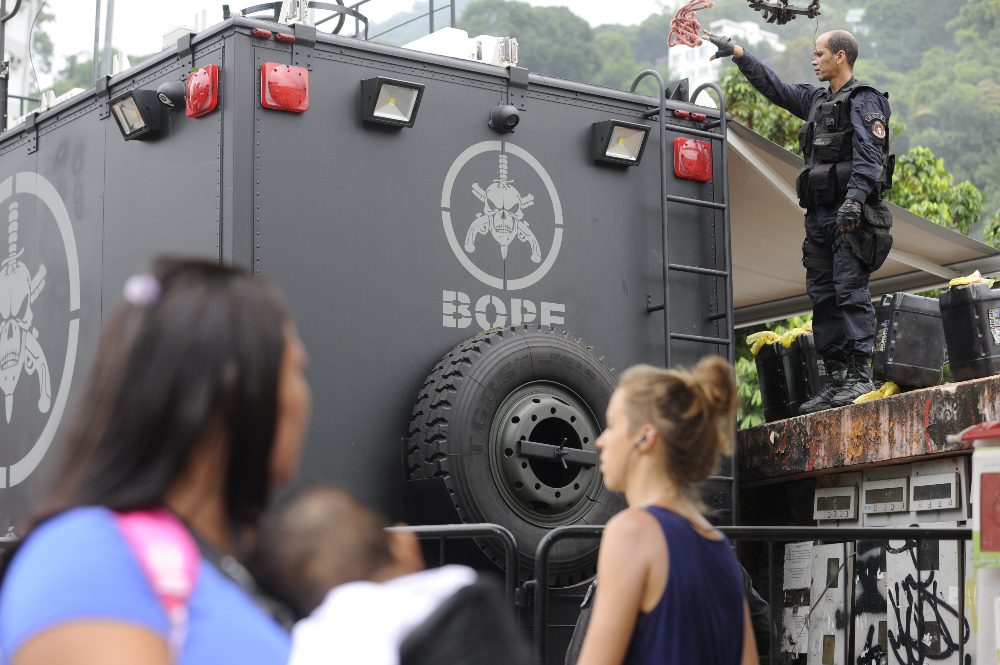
(750, 108)
(923, 186)
(552, 40)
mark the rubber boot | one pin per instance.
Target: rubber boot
(857, 383)
(836, 375)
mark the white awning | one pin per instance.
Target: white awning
(769, 282)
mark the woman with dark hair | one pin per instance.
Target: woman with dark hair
(669, 589)
(194, 414)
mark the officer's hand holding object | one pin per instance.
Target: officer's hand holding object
(849, 215)
(726, 45)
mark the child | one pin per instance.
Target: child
(365, 597)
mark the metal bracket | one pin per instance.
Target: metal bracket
(103, 94)
(31, 129)
(302, 48)
(185, 51)
(517, 82)
(545, 451)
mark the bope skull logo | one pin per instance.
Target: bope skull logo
(19, 348)
(498, 215)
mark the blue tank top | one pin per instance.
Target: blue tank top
(700, 617)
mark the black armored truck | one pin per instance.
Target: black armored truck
(471, 252)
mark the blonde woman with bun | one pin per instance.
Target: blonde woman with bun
(670, 590)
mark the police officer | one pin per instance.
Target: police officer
(847, 168)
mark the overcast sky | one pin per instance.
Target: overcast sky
(140, 24)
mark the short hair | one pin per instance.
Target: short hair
(841, 40)
(316, 540)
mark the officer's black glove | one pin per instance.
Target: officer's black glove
(849, 215)
(725, 45)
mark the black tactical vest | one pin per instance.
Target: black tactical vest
(827, 143)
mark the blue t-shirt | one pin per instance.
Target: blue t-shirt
(77, 566)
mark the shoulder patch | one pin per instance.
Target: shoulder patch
(878, 129)
(868, 117)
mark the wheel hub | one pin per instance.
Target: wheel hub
(551, 488)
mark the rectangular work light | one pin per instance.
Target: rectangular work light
(137, 113)
(619, 142)
(390, 102)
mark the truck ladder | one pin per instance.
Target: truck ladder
(720, 202)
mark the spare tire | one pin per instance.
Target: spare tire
(509, 419)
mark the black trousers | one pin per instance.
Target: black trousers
(843, 316)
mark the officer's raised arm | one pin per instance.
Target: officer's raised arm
(793, 98)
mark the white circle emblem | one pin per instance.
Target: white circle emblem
(32, 357)
(503, 216)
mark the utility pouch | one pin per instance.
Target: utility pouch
(871, 240)
(833, 147)
(833, 116)
(823, 184)
(802, 187)
(805, 139)
(844, 171)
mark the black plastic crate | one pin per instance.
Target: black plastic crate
(909, 341)
(770, 377)
(970, 315)
(803, 371)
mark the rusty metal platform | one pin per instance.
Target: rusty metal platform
(891, 430)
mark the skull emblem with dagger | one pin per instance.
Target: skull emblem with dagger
(19, 347)
(503, 215)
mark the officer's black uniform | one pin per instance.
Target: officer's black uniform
(848, 161)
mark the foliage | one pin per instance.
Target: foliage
(923, 186)
(750, 108)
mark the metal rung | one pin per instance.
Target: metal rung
(717, 316)
(654, 308)
(698, 338)
(719, 479)
(699, 271)
(696, 202)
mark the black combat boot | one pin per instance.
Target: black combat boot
(836, 374)
(857, 383)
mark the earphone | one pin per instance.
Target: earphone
(643, 438)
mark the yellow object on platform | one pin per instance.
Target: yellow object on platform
(758, 340)
(974, 278)
(888, 388)
(789, 337)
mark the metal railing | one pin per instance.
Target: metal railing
(769, 535)
(445, 532)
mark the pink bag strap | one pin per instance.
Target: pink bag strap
(169, 558)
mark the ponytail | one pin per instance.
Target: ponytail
(693, 411)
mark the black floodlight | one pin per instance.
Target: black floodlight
(390, 102)
(171, 94)
(137, 113)
(619, 142)
(504, 118)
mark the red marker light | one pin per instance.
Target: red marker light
(681, 114)
(260, 32)
(202, 92)
(282, 37)
(693, 159)
(284, 87)
(700, 117)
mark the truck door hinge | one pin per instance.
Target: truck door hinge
(31, 130)
(185, 54)
(304, 44)
(517, 85)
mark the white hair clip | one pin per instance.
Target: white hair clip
(141, 290)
